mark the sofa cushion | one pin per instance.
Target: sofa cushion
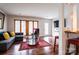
(6, 35)
(7, 41)
(19, 36)
(9, 33)
(11, 38)
(19, 33)
(12, 34)
(1, 36)
(5, 44)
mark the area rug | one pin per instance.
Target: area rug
(41, 43)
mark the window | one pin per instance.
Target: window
(27, 27)
(30, 27)
(35, 25)
(23, 26)
(17, 26)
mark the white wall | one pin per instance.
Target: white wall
(5, 23)
(68, 14)
(68, 11)
(41, 26)
(41, 23)
(78, 16)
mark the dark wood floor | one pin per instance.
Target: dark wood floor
(48, 50)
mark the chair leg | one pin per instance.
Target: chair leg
(68, 46)
(54, 48)
(76, 53)
(54, 45)
(56, 37)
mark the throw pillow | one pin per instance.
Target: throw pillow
(6, 35)
(12, 34)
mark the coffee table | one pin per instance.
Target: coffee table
(31, 40)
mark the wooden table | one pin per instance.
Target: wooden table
(74, 41)
(71, 32)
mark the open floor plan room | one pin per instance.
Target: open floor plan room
(28, 29)
(39, 29)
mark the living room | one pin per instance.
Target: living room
(22, 20)
(39, 29)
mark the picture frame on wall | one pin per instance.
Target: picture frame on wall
(65, 22)
(56, 23)
(2, 18)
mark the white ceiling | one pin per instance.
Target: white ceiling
(45, 10)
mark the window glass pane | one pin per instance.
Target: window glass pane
(23, 26)
(35, 24)
(30, 27)
(17, 26)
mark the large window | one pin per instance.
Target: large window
(30, 27)
(23, 26)
(27, 27)
(35, 26)
(17, 26)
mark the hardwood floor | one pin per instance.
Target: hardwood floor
(48, 50)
